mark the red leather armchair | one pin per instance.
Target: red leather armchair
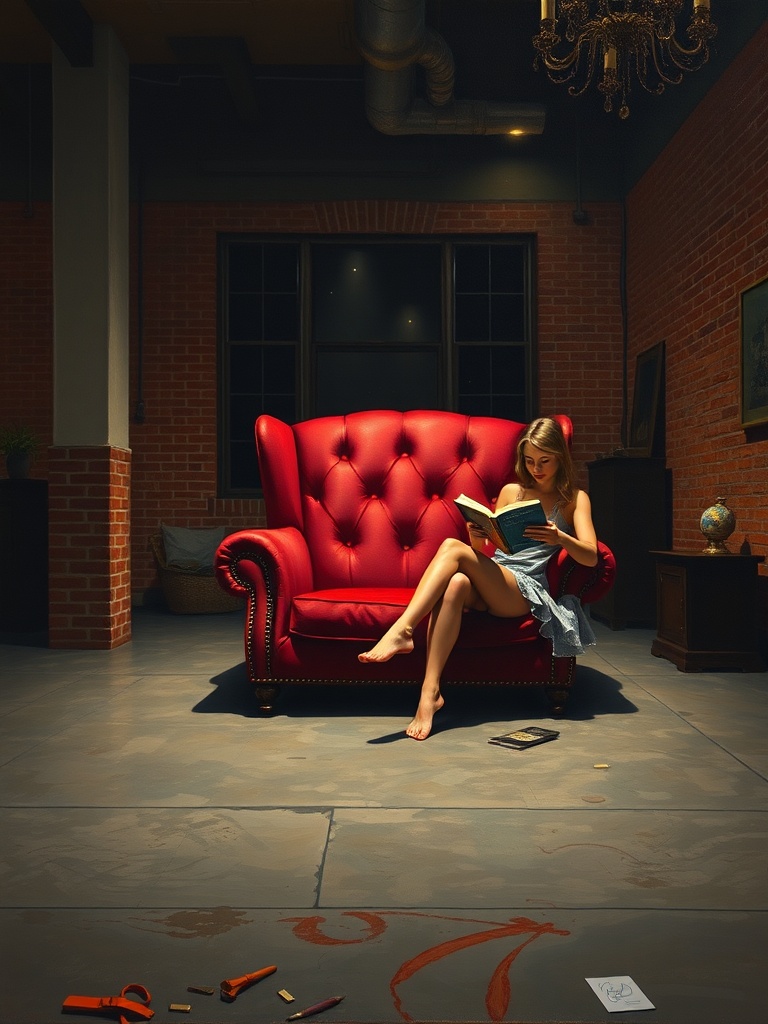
(356, 506)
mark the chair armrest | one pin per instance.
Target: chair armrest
(588, 582)
(269, 567)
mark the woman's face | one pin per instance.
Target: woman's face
(541, 465)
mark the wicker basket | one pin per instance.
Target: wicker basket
(190, 593)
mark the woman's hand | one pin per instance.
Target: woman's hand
(477, 537)
(583, 546)
(548, 534)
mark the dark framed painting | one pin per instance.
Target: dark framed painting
(754, 354)
(649, 371)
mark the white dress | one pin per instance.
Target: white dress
(564, 621)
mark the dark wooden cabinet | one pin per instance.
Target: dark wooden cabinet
(707, 611)
(630, 509)
(23, 555)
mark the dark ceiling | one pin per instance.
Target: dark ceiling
(234, 76)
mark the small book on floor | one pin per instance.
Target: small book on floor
(522, 738)
(505, 526)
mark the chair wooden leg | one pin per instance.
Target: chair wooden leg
(558, 698)
(267, 697)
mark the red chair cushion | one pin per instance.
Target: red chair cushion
(366, 613)
(349, 613)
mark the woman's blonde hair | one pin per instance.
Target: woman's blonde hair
(547, 434)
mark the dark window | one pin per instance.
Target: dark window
(260, 345)
(324, 326)
(492, 330)
(376, 294)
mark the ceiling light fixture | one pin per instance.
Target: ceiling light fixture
(622, 37)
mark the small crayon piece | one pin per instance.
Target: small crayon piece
(232, 987)
(180, 1007)
(326, 1004)
(285, 995)
(203, 990)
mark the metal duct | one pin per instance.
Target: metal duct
(393, 38)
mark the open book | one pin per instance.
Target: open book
(505, 526)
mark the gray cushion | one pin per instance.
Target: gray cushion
(192, 550)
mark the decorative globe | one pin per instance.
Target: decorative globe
(717, 525)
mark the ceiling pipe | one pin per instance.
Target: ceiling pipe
(393, 39)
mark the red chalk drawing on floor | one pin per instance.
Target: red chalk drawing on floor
(499, 990)
(308, 929)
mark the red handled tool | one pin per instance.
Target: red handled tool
(108, 1004)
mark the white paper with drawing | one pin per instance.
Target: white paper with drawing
(619, 994)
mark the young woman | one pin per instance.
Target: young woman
(462, 576)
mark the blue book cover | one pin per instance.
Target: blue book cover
(505, 526)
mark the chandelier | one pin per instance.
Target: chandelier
(620, 38)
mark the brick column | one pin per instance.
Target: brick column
(89, 603)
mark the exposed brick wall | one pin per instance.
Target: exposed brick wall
(698, 236)
(89, 547)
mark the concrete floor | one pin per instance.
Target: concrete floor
(155, 830)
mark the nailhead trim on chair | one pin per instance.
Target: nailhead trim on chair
(270, 615)
(416, 682)
(410, 682)
(587, 583)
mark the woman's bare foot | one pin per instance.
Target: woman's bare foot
(397, 640)
(421, 726)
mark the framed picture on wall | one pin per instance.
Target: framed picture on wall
(754, 354)
(643, 427)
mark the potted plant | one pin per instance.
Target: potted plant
(18, 443)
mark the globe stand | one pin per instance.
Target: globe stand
(716, 547)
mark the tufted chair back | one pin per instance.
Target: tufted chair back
(372, 492)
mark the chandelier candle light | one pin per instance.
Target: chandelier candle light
(622, 37)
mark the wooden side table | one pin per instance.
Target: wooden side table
(707, 611)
